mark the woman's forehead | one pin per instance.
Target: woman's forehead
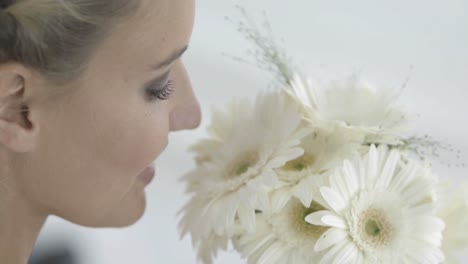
(157, 30)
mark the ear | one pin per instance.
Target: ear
(17, 132)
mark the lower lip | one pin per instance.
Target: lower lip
(147, 175)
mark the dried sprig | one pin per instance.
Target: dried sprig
(425, 147)
(268, 54)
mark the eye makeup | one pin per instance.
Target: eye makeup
(160, 88)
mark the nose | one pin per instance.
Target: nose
(186, 113)
(186, 117)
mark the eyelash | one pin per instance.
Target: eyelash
(162, 93)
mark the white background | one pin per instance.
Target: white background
(382, 40)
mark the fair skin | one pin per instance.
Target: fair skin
(78, 158)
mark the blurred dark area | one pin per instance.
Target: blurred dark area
(64, 254)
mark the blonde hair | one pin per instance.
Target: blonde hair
(57, 37)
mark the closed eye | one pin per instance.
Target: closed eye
(163, 93)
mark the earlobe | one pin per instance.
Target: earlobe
(15, 137)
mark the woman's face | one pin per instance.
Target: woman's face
(94, 143)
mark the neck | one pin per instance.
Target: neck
(20, 224)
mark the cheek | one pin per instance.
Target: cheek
(96, 151)
(125, 134)
(139, 141)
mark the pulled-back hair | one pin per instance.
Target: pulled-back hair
(56, 38)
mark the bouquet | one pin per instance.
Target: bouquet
(313, 172)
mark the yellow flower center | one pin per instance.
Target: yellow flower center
(298, 213)
(300, 163)
(241, 164)
(290, 227)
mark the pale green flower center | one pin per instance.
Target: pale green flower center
(290, 226)
(300, 163)
(374, 229)
(241, 164)
(298, 213)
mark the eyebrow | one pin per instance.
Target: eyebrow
(176, 55)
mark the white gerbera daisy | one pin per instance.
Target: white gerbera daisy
(323, 150)
(223, 123)
(454, 212)
(353, 105)
(208, 248)
(206, 243)
(380, 210)
(234, 179)
(282, 238)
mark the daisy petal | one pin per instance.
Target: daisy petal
(338, 183)
(350, 177)
(331, 237)
(372, 167)
(315, 218)
(279, 198)
(272, 254)
(333, 199)
(335, 221)
(247, 217)
(347, 255)
(327, 258)
(389, 169)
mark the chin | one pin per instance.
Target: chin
(120, 223)
(124, 215)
